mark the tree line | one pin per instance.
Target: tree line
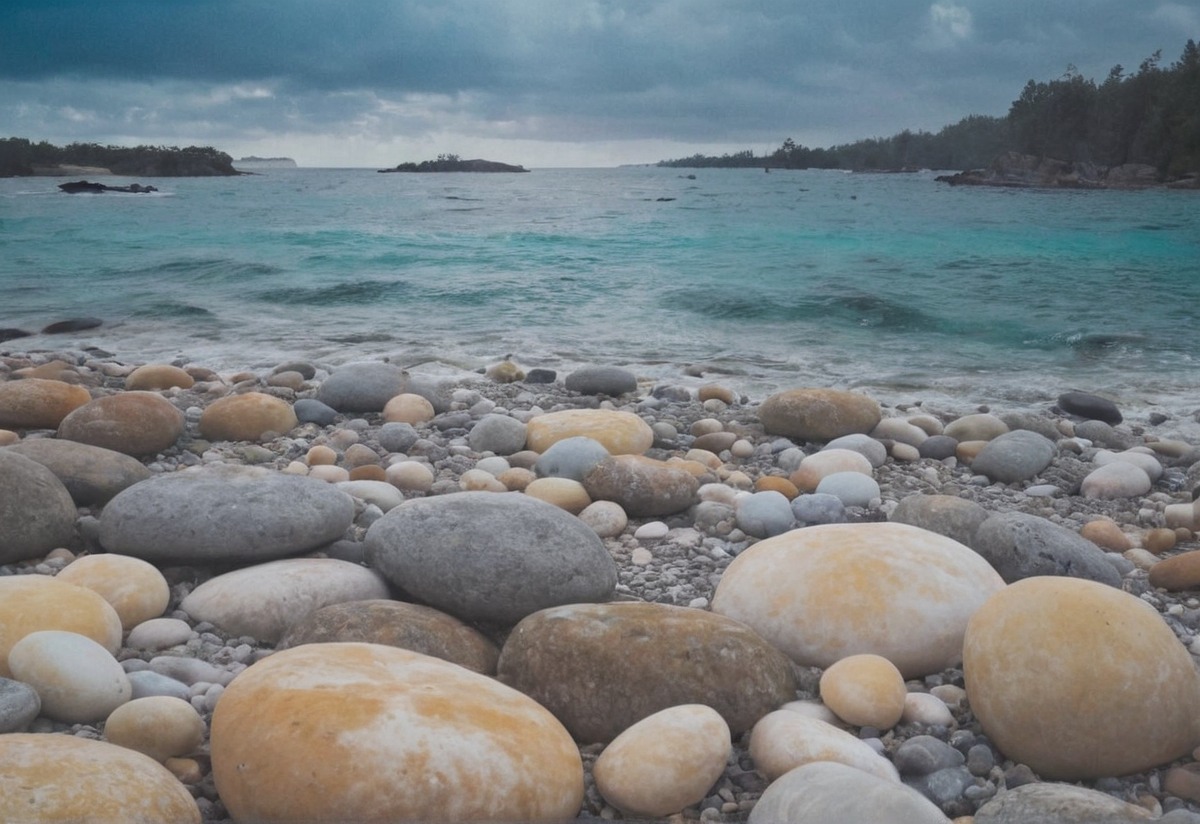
(20, 157)
(1149, 117)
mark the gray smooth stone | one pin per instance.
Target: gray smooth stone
(497, 433)
(397, 436)
(486, 556)
(818, 508)
(19, 705)
(147, 682)
(1014, 456)
(924, 754)
(311, 410)
(1021, 546)
(1089, 406)
(956, 518)
(363, 387)
(91, 474)
(570, 458)
(224, 513)
(601, 380)
(36, 511)
(1052, 803)
(765, 514)
(826, 792)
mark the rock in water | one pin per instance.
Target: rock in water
(263, 515)
(74, 779)
(485, 556)
(361, 732)
(824, 592)
(1046, 657)
(600, 668)
(36, 512)
(819, 414)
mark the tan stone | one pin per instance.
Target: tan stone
(1183, 782)
(159, 726)
(818, 414)
(978, 427)
(1106, 534)
(158, 376)
(768, 483)
(329, 474)
(1159, 540)
(30, 603)
(410, 476)
(75, 779)
(817, 466)
(1038, 675)
(34, 403)
(564, 493)
(1177, 573)
(408, 408)
(359, 454)
(477, 480)
(642, 486)
(621, 433)
(665, 762)
(285, 730)
(8, 437)
(135, 423)
(864, 690)
(966, 451)
(321, 455)
(783, 740)
(250, 416)
(371, 472)
(712, 390)
(134, 588)
(517, 478)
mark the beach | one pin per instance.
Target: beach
(435, 489)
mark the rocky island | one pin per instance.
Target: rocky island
(22, 158)
(453, 163)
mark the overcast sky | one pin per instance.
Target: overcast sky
(543, 82)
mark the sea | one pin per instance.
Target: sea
(893, 284)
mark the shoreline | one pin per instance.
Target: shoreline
(691, 548)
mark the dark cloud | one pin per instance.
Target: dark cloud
(699, 71)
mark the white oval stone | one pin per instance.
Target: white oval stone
(1119, 479)
(783, 740)
(78, 681)
(665, 762)
(159, 633)
(1143, 460)
(410, 476)
(925, 708)
(851, 488)
(606, 518)
(381, 493)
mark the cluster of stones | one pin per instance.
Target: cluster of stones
(533, 600)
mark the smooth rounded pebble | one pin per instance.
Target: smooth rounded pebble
(408, 408)
(864, 690)
(224, 513)
(19, 705)
(249, 416)
(1177, 573)
(139, 424)
(362, 387)
(815, 467)
(500, 434)
(871, 449)
(264, 601)
(1089, 406)
(765, 514)
(1019, 545)
(77, 680)
(783, 740)
(605, 518)
(1038, 673)
(665, 762)
(1119, 479)
(135, 588)
(91, 474)
(410, 476)
(50, 779)
(570, 458)
(382, 494)
(29, 603)
(818, 414)
(1058, 804)
(36, 510)
(827, 792)
(949, 515)
(817, 508)
(851, 488)
(159, 726)
(159, 633)
(644, 487)
(601, 380)
(37, 403)
(982, 426)
(602, 667)
(158, 376)
(825, 592)
(563, 493)
(1014, 456)
(621, 433)
(285, 729)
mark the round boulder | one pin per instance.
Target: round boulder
(825, 592)
(37, 403)
(396, 624)
(1019, 545)
(36, 510)
(570, 458)
(134, 423)
(30, 603)
(644, 487)
(158, 376)
(224, 513)
(77, 680)
(264, 601)
(981, 426)
(135, 588)
(485, 556)
(600, 668)
(665, 762)
(1119, 479)
(824, 792)
(1014, 456)
(247, 417)
(285, 729)
(621, 433)
(818, 414)
(76, 779)
(956, 518)
(864, 690)
(91, 474)
(362, 387)
(1045, 657)
(1090, 407)
(500, 434)
(601, 380)
(159, 726)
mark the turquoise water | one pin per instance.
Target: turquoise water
(891, 283)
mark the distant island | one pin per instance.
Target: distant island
(23, 158)
(453, 163)
(254, 162)
(1135, 130)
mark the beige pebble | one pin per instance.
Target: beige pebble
(1159, 540)
(1181, 516)
(8, 437)
(187, 770)
(905, 452)
(715, 406)
(707, 426)
(476, 480)
(410, 476)
(742, 449)
(287, 380)
(329, 474)
(295, 468)
(408, 408)
(929, 423)
(967, 450)
(714, 390)
(739, 480)
(926, 708)
(358, 454)
(517, 478)
(157, 376)
(321, 455)
(864, 690)
(640, 556)
(159, 726)
(951, 695)
(606, 518)
(1106, 534)
(343, 439)
(702, 456)
(564, 493)
(134, 588)
(1140, 558)
(368, 472)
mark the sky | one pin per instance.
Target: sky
(543, 83)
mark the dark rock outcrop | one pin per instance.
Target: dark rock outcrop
(1020, 171)
(456, 165)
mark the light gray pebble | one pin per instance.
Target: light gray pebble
(397, 436)
(147, 683)
(189, 670)
(818, 508)
(19, 705)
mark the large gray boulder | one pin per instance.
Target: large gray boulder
(1019, 545)
(36, 511)
(947, 515)
(486, 556)
(363, 387)
(1014, 456)
(91, 474)
(224, 514)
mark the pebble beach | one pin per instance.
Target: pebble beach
(315, 592)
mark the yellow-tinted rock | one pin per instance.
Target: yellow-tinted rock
(136, 423)
(48, 779)
(321, 455)
(285, 730)
(768, 483)
(642, 486)
(34, 403)
(247, 417)
(1106, 534)
(135, 588)
(154, 376)
(1046, 657)
(8, 437)
(159, 726)
(369, 472)
(817, 466)
(564, 493)
(517, 479)
(665, 762)
(1159, 540)
(818, 414)
(977, 427)
(408, 408)
(1177, 573)
(864, 690)
(783, 740)
(621, 433)
(30, 603)
(712, 391)
(825, 592)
